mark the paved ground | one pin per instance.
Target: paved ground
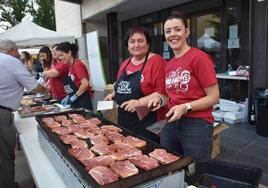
(241, 144)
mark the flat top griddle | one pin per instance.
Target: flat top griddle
(141, 177)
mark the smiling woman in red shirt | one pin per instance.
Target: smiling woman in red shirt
(192, 90)
(139, 78)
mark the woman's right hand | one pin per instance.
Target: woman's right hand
(176, 112)
(109, 97)
(154, 103)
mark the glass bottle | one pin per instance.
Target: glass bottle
(229, 68)
(252, 115)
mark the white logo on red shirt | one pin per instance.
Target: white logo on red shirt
(129, 72)
(178, 79)
(123, 87)
(142, 78)
(72, 77)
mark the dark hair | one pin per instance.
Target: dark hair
(178, 15)
(26, 55)
(137, 29)
(66, 47)
(46, 50)
(55, 45)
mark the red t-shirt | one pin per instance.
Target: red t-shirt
(56, 85)
(187, 77)
(152, 78)
(78, 71)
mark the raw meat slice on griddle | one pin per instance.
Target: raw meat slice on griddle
(81, 153)
(126, 153)
(67, 122)
(77, 118)
(102, 149)
(62, 130)
(99, 139)
(103, 175)
(123, 151)
(94, 130)
(74, 115)
(111, 128)
(163, 157)
(75, 127)
(87, 124)
(114, 136)
(52, 124)
(98, 161)
(144, 162)
(79, 144)
(95, 121)
(67, 139)
(47, 120)
(120, 146)
(136, 142)
(83, 134)
(124, 168)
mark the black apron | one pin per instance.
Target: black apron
(83, 101)
(128, 87)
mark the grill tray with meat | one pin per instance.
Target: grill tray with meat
(142, 176)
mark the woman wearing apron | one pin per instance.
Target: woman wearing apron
(76, 84)
(138, 79)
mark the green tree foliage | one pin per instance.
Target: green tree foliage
(42, 11)
(12, 11)
(44, 15)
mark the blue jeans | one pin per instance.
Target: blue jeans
(189, 137)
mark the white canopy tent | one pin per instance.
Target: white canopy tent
(28, 34)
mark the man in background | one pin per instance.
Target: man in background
(14, 77)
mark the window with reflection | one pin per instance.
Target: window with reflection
(208, 36)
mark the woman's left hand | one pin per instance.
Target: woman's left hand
(176, 112)
(130, 106)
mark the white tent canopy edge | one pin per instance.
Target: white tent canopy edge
(28, 34)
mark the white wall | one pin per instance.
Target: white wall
(92, 7)
(68, 18)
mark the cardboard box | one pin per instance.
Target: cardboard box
(216, 139)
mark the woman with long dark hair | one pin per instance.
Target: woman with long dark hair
(45, 57)
(55, 73)
(76, 84)
(27, 61)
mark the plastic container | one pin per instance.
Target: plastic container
(261, 109)
(220, 174)
(242, 70)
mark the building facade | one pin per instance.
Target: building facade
(233, 32)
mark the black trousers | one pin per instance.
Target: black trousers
(7, 145)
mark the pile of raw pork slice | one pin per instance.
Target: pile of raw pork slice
(111, 155)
